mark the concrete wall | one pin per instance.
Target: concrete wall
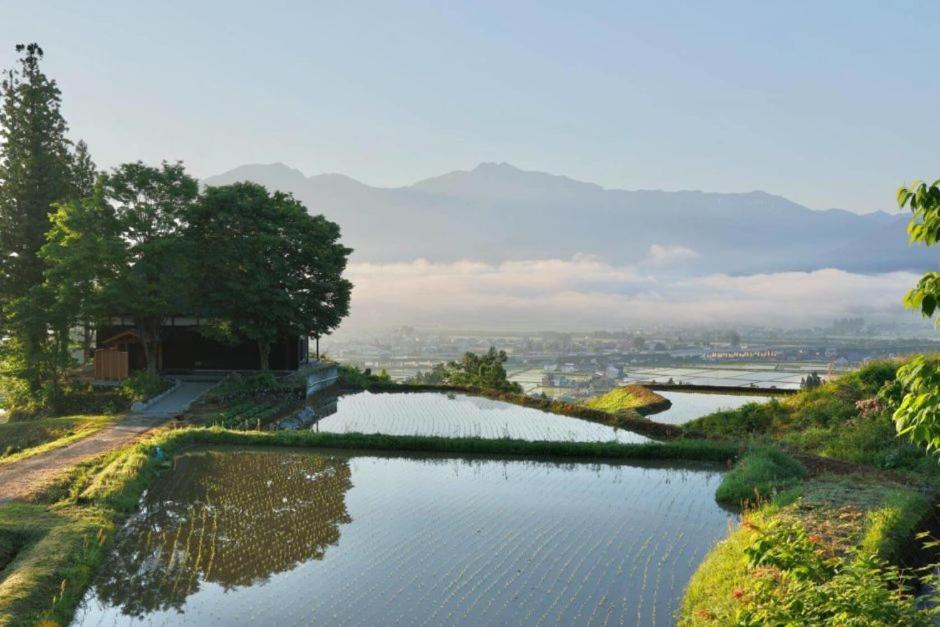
(322, 378)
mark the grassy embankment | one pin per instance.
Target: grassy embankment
(629, 398)
(53, 563)
(19, 440)
(822, 549)
(822, 553)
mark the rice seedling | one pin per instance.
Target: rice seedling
(394, 539)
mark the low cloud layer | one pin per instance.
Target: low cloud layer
(587, 293)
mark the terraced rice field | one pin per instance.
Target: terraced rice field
(458, 415)
(688, 406)
(233, 537)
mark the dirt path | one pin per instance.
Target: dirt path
(19, 480)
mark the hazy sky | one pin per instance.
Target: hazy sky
(827, 103)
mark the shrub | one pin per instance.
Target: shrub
(760, 473)
(142, 385)
(749, 419)
(798, 580)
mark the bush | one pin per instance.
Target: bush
(760, 473)
(353, 377)
(749, 419)
(142, 385)
(774, 571)
(798, 580)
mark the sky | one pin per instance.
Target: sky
(831, 104)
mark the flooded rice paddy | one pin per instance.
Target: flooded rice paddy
(459, 415)
(239, 537)
(688, 406)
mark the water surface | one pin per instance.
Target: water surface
(688, 406)
(460, 415)
(261, 537)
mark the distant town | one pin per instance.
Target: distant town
(578, 365)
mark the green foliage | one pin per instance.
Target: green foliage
(918, 414)
(353, 377)
(484, 372)
(797, 581)
(143, 385)
(273, 268)
(36, 171)
(34, 168)
(811, 381)
(760, 473)
(437, 375)
(785, 545)
(848, 418)
(751, 418)
(149, 268)
(237, 388)
(814, 556)
(892, 524)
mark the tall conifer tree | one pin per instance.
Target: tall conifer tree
(34, 169)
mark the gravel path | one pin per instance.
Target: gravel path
(21, 479)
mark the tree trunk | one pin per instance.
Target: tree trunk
(264, 352)
(86, 342)
(149, 334)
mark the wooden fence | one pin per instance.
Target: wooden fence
(111, 364)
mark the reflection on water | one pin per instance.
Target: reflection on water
(228, 520)
(688, 406)
(237, 537)
(460, 415)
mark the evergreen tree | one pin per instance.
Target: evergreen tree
(34, 170)
(84, 173)
(35, 173)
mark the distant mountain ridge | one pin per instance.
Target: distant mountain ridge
(497, 212)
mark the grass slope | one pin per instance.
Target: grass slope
(629, 398)
(30, 437)
(760, 473)
(843, 419)
(851, 526)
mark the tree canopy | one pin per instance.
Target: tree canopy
(916, 394)
(267, 267)
(476, 371)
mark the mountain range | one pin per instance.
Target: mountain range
(497, 212)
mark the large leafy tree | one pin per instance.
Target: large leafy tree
(147, 277)
(267, 267)
(916, 393)
(482, 371)
(83, 254)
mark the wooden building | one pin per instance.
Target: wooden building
(182, 349)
